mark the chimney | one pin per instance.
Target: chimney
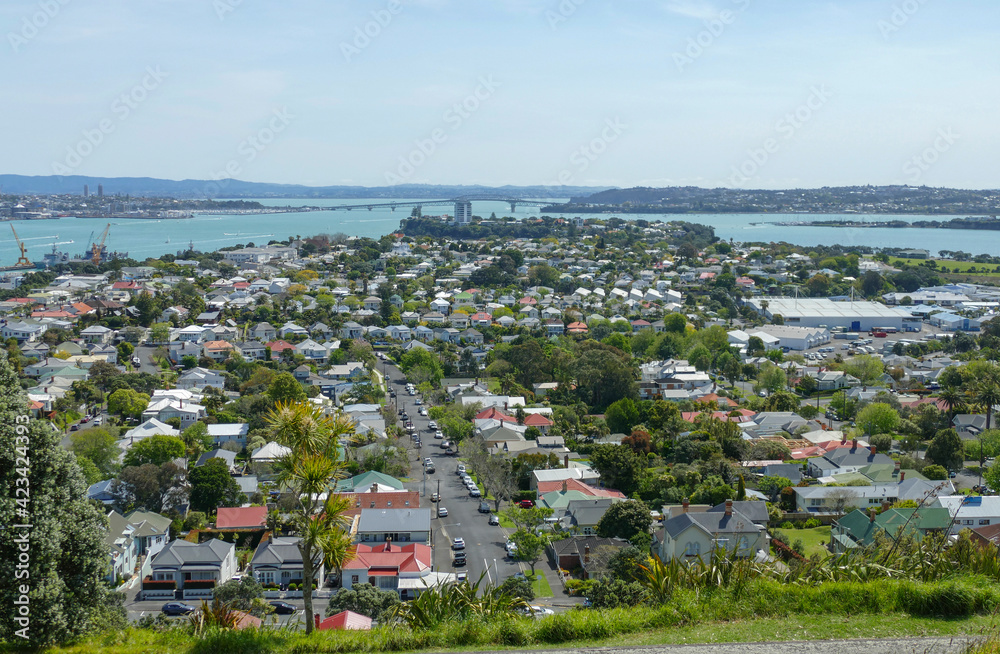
(902, 476)
(871, 515)
(685, 504)
(586, 554)
(564, 486)
(874, 450)
(566, 461)
(886, 505)
(729, 507)
(854, 444)
(374, 488)
(316, 619)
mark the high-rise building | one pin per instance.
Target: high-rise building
(463, 211)
(86, 191)
(100, 190)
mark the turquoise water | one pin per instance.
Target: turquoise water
(148, 238)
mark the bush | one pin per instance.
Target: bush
(787, 524)
(812, 523)
(612, 593)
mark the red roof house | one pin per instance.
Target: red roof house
(344, 620)
(493, 413)
(251, 517)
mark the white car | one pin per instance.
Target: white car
(439, 434)
(540, 611)
(432, 424)
(423, 411)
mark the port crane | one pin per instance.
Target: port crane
(98, 247)
(23, 260)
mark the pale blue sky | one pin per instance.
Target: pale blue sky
(887, 81)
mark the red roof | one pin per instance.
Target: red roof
(124, 285)
(537, 420)
(714, 399)
(413, 557)
(577, 485)
(241, 518)
(493, 413)
(528, 300)
(344, 620)
(280, 346)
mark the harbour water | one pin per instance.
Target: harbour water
(152, 238)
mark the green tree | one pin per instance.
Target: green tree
(935, 472)
(770, 378)
(245, 595)
(866, 368)
(771, 485)
(212, 486)
(517, 587)
(285, 389)
(530, 546)
(945, 450)
(625, 520)
(68, 553)
(156, 450)
(159, 333)
(610, 593)
(619, 466)
(196, 439)
(877, 418)
(881, 442)
(621, 416)
(625, 563)
(364, 599)
(99, 446)
(127, 403)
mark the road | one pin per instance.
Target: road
(484, 543)
(137, 610)
(865, 646)
(145, 354)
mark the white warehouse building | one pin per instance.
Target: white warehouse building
(860, 315)
(782, 336)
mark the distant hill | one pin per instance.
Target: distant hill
(195, 188)
(897, 199)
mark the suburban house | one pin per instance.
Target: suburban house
(250, 517)
(279, 561)
(229, 433)
(588, 554)
(970, 512)
(405, 569)
(194, 569)
(692, 534)
(392, 525)
(860, 529)
(343, 621)
(843, 460)
(841, 499)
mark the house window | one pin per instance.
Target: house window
(692, 549)
(406, 503)
(373, 505)
(388, 505)
(354, 579)
(984, 522)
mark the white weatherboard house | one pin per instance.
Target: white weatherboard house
(194, 569)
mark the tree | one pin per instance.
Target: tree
(308, 472)
(127, 403)
(149, 487)
(517, 587)
(840, 498)
(625, 520)
(625, 563)
(364, 599)
(945, 450)
(878, 418)
(619, 466)
(63, 575)
(196, 439)
(529, 546)
(935, 472)
(881, 442)
(245, 595)
(621, 416)
(419, 365)
(610, 593)
(771, 486)
(99, 446)
(286, 389)
(770, 378)
(156, 450)
(212, 486)
(101, 374)
(866, 368)
(986, 394)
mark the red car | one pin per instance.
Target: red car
(526, 504)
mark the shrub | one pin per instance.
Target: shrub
(787, 524)
(812, 523)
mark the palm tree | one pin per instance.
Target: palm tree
(987, 395)
(951, 397)
(310, 471)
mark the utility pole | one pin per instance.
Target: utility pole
(439, 490)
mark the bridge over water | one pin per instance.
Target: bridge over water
(462, 204)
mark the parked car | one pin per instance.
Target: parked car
(435, 497)
(460, 470)
(459, 559)
(439, 434)
(442, 512)
(283, 608)
(494, 520)
(458, 543)
(432, 425)
(474, 492)
(177, 608)
(526, 504)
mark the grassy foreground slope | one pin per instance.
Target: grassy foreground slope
(761, 610)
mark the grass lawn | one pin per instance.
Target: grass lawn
(541, 586)
(960, 267)
(505, 522)
(814, 539)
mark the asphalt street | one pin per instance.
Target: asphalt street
(484, 543)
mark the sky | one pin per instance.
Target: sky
(734, 93)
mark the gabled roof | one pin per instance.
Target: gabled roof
(241, 518)
(711, 523)
(414, 557)
(181, 552)
(345, 620)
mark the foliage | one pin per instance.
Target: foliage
(284, 388)
(68, 554)
(625, 520)
(935, 472)
(212, 487)
(945, 450)
(518, 587)
(459, 601)
(619, 466)
(878, 418)
(366, 600)
(609, 593)
(245, 595)
(155, 450)
(621, 416)
(530, 546)
(99, 446)
(127, 403)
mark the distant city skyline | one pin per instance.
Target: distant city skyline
(735, 93)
